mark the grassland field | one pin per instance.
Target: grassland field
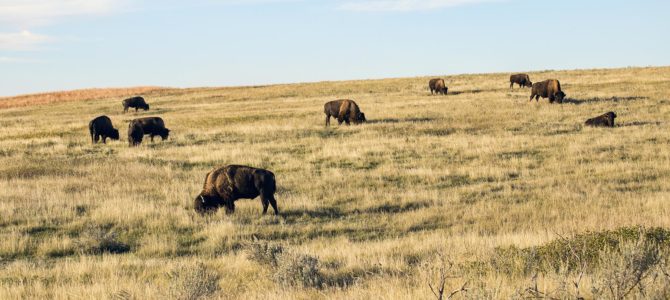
(482, 186)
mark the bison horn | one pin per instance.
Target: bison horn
(202, 199)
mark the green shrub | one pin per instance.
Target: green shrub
(571, 253)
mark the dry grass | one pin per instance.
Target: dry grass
(76, 95)
(370, 208)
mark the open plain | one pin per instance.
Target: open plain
(504, 197)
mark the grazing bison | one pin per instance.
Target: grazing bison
(523, 80)
(437, 85)
(345, 111)
(102, 127)
(153, 126)
(135, 102)
(226, 184)
(547, 89)
(135, 134)
(604, 120)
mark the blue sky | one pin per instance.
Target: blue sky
(50, 45)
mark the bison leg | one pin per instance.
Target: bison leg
(531, 97)
(152, 138)
(327, 120)
(96, 138)
(230, 207)
(104, 139)
(511, 85)
(269, 199)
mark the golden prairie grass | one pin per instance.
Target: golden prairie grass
(428, 177)
(75, 95)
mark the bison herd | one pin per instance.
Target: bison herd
(224, 185)
(550, 88)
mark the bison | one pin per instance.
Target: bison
(135, 102)
(224, 185)
(437, 85)
(153, 126)
(547, 89)
(604, 120)
(102, 127)
(135, 134)
(523, 80)
(345, 110)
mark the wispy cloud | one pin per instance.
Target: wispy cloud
(29, 13)
(22, 41)
(16, 60)
(406, 5)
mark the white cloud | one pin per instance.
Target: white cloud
(20, 41)
(27, 13)
(406, 5)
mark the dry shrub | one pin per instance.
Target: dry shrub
(290, 268)
(626, 270)
(299, 270)
(265, 253)
(188, 282)
(98, 240)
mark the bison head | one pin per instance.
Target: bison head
(164, 133)
(206, 204)
(145, 106)
(360, 118)
(528, 83)
(114, 134)
(559, 96)
(611, 115)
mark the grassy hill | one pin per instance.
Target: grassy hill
(482, 184)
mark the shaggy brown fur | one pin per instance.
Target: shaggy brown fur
(438, 86)
(547, 89)
(153, 126)
(345, 111)
(224, 185)
(604, 120)
(102, 127)
(523, 80)
(136, 103)
(135, 134)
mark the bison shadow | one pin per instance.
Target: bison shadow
(319, 213)
(473, 91)
(405, 120)
(598, 99)
(639, 123)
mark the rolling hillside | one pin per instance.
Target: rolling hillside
(482, 184)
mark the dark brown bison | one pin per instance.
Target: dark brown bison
(102, 127)
(547, 89)
(224, 185)
(153, 126)
(523, 80)
(604, 120)
(135, 134)
(438, 86)
(136, 103)
(345, 111)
